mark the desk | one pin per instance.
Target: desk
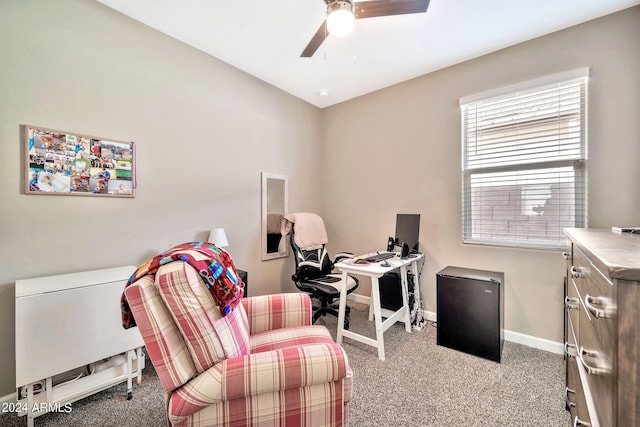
(375, 271)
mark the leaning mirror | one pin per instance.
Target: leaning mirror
(275, 203)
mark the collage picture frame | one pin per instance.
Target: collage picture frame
(65, 163)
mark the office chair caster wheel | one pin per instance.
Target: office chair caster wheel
(129, 395)
(346, 324)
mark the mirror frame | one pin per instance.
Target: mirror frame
(265, 179)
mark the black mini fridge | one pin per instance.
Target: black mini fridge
(470, 308)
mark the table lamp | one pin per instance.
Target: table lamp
(218, 237)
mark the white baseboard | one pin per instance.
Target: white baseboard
(535, 342)
(9, 398)
(430, 316)
(359, 298)
(516, 337)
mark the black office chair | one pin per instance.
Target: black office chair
(314, 268)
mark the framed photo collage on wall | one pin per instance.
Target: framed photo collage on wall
(64, 163)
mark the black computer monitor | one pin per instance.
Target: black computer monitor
(408, 230)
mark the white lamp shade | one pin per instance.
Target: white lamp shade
(218, 237)
(340, 21)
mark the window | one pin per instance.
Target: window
(523, 162)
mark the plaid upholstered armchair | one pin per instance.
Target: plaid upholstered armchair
(263, 363)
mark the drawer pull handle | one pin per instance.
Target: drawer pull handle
(576, 272)
(571, 303)
(591, 370)
(566, 255)
(570, 350)
(569, 404)
(578, 422)
(605, 313)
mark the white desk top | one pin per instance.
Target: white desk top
(375, 268)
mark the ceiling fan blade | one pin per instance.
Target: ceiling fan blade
(315, 42)
(375, 8)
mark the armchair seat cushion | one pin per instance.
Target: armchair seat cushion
(288, 337)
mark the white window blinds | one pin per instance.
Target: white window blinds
(524, 153)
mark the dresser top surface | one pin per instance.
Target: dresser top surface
(619, 252)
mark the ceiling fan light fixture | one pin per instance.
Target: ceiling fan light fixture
(340, 18)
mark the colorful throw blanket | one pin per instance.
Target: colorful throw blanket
(212, 263)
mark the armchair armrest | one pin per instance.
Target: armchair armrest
(268, 312)
(254, 374)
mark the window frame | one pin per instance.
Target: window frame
(577, 164)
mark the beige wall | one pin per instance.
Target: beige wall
(204, 132)
(411, 133)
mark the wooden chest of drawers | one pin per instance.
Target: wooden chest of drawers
(602, 318)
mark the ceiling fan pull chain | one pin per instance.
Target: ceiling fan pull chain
(355, 47)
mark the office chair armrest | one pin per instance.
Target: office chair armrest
(342, 256)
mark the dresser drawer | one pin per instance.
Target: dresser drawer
(596, 295)
(596, 362)
(574, 394)
(571, 345)
(575, 401)
(572, 306)
(575, 398)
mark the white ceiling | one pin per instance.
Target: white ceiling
(265, 37)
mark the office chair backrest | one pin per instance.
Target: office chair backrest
(308, 243)
(310, 264)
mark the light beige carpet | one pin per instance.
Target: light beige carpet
(420, 384)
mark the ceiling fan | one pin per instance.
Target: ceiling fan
(359, 10)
